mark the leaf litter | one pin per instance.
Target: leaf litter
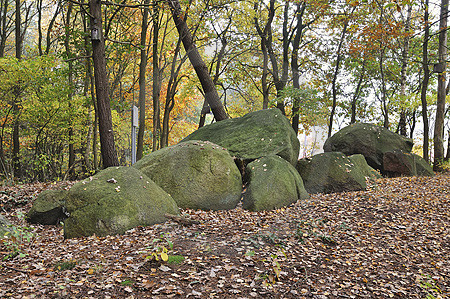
(392, 241)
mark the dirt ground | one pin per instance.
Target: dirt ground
(392, 241)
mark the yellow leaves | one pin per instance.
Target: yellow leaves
(90, 271)
(164, 256)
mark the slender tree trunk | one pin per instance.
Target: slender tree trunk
(108, 150)
(3, 26)
(171, 91)
(264, 35)
(16, 108)
(218, 60)
(156, 82)
(211, 95)
(70, 78)
(142, 81)
(39, 23)
(295, 65)
(426, 77)
(335, 76)
(405, 52)
(441, 93)
(89, 86)
(357, 92)
(50, 28)
(384, 105)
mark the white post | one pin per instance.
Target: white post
(134, 125)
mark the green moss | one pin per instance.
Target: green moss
(333, 172)
(99, 207)
(272, 183)
(257, 134)
(197, 174)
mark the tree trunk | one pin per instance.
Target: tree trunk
(426, 77)
(440, 103)
(357, 92)
(142, 81)
(405, 52)
(3, 26)
(70, 79)
(39, 24)
(50, 28)
(295, 66)
(156, 82)
(16, 108)
(211, 95)
(107, 146)
(335, 75)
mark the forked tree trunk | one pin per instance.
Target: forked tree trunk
(211, 95)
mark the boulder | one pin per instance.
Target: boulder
(333, 172)
(369, 140)
(48, 208)
(398, 163)
(257, 134)
(5, 226)
(272, 183)
(114, 201)
(360, 162)
(197, 174)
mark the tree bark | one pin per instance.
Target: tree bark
(335, 75)
(263, 34)
(50, 28)
(107, 146)
(441, 92)
(211, 95)
(356, 94)
(70, 79)
(295, 65)
(426, 78)
(405, 52)
(16, 108)
(3, 26)
(156, 81)
(142, 81)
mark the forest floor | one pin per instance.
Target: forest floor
(392, 241)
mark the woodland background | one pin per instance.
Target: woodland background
(324, 63)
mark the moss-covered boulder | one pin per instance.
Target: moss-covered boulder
(48, 208)
(5, 226)
(360, 162)
(197, 174)
(332, 172)
(368, 140)
(254, 135)
(398, 163)
(114, 201)
(272, 183)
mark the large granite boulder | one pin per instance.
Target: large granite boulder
(254, 135)
(369, 140)
(398, 163)
(334, 172)
(360, 163)
(114, 201)
(197, 174)
(272, 183)
(48, 208)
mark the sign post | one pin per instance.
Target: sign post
(134, 125)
